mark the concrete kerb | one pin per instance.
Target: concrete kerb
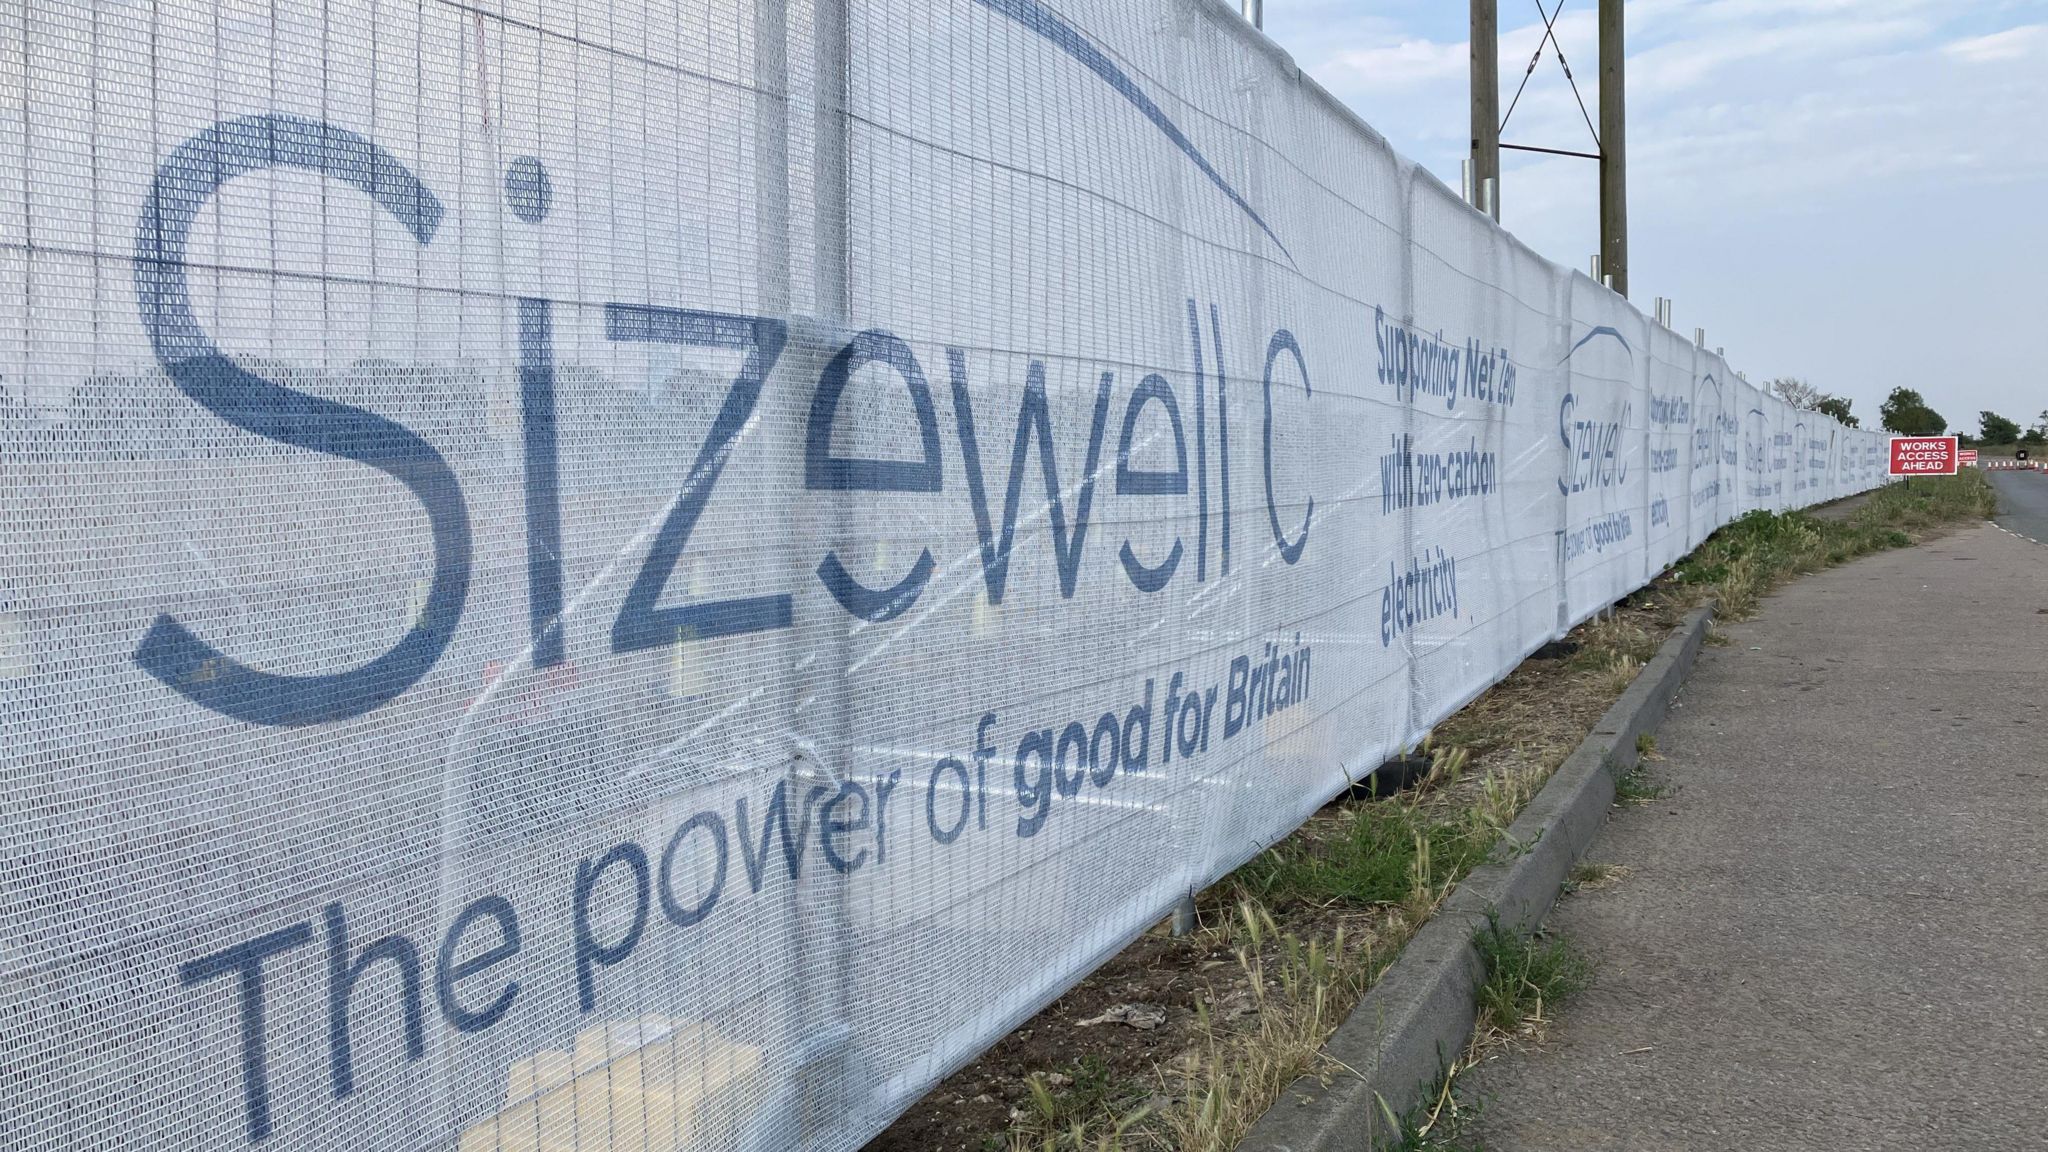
(1417, 1019)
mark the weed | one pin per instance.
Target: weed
(1503, 794)
(1635, 786)
(1446, 768)
(1646, 746)
(1619, 673)
(1070, 1117)
(1592, 876)
(1514, 848)
(1739, 588)
(1524, 976)
(1437, 1122)
(1619, 635)
(1391, 853)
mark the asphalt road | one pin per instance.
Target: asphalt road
(2022, 503)
(1835, 935)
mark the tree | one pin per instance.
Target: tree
(1997, 429)
(1838, 407)
(1805, 397)
(1905, 413)
(1796, 392)
(2034, 438)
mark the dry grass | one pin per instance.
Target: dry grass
(1621, 635)
(1592, 877)
(1294, 994)
(1299, 999)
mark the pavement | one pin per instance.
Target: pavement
(1835, 934)
(2022, 502)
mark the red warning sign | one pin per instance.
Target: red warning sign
(1924, 456)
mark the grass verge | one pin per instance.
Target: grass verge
(1749, 556)
(1291, 940)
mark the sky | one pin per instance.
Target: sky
(1846, 191)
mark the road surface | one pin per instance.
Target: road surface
(1836, 932)
(2022, 502)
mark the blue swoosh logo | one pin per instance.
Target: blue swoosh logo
(1045, 22)
(1603, 330)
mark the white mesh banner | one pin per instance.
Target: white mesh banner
(636, 574)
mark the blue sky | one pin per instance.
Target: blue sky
(1848, 191)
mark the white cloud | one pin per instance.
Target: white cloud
(1678, 66)
(2011, 44)
(1400, 65)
